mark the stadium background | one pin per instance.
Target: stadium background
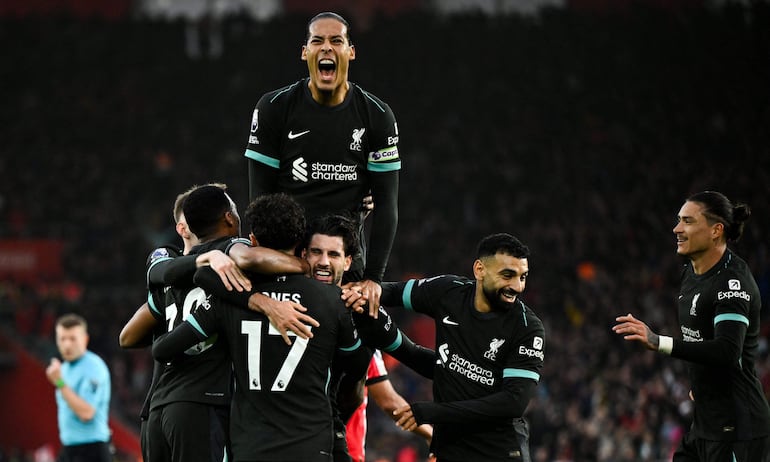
(578, 126)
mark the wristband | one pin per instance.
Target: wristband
(60, 383)
(665, 345)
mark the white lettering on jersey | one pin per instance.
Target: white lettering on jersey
(284, 296)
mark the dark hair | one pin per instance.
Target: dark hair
(330, 15)
(71, 320)
(501, 243)
(177, 211)
(204, 208)
(336, 226)
(277, 221)
(717, 208)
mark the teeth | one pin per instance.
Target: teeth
(326, 61)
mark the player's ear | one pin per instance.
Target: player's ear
(717, 230)
(182, 231)
(478, 270)
(352, 55)
(253, 239)
(348, 262)
(303, 54)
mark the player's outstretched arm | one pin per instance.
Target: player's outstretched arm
(227, 269)
(723, 350)
(388, 399)
(262, 179)
(633, 329)
(284, 315)
(508, 403)
(267, 261)
(137, 333)
(382, 333)
(384, 224)
(170, 345)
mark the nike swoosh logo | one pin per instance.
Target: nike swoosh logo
(297, 135)
(448, 321)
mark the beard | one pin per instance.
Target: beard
(497, 301)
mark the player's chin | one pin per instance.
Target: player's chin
(505, 303)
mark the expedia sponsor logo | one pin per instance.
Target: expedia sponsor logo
(691, 335)
(734, 284)
(733, 294)
(393, 140)
(253, 140)
(531, 352)
(465, 368)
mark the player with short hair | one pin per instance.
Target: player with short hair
(329, 143)
(280, 408)
(83, 390)
(491, 348)
(330, 248)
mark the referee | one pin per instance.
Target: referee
(82, 384)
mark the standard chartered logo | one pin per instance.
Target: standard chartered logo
(321, 171)
(299, 170)
(462, 366)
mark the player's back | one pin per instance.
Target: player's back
(280, 408)
(202, 374)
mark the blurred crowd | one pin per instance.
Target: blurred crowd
(579, 133)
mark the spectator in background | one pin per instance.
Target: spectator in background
(83, 389)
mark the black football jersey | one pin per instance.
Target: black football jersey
(324, 155)
(280, 409)
(202, 374)
(722, 305)
(476, 353)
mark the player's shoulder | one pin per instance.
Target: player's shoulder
(735, 275)
(444, 282)
(529, 318)
(233, 241)
(281, 95)
(369, 98)
(163, 253)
